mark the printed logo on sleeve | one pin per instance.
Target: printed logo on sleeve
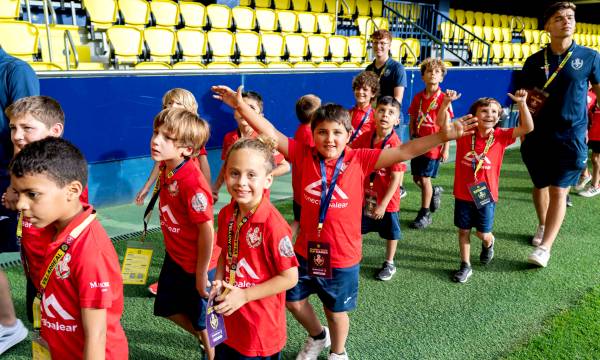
(199, 202)
(286, 249)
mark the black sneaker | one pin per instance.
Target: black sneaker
(436, 199)
(463, 274)
(387, 271)
(403, 192)
(422, 220)
(569, 202)
(487, 253)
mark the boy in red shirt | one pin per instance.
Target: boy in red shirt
(186, 218)
(593, 144)
(365, 87)
(255, 102)
(477, 173)
(258, 244)
(333, 179)
(81, 300)
(382, 195)
(423, 121)
(305, 107)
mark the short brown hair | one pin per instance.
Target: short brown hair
(181, 96)
(381, 34)
(485, 101)
(306, 106)
(433, 63)
(556, 7)
(366, 78)
(185, 126)
(43, 108)
(331, 112)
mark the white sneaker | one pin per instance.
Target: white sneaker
(582, 183)
(334, 356)
(539, 256)
(590, 191)
(11, 336)
(312, 348)
(539, 235)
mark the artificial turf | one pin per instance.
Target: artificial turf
(508, 309)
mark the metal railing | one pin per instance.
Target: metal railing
(70, 48)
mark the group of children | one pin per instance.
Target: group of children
(347, 170)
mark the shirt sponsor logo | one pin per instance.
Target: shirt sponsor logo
(577, 63)
(62, 269)
(50, 303)
(473, 156)
(241, 279)
(339, 199)
(286, 249)
(254, 237)
(199, 202)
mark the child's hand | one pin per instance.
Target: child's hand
(519, 97)
(10, 198)
(215, 289)
(230, 300)
(202, 284)
(445, 154)
(461, 127)
(451, 96)
(379, 212)
(141, 195)
(231, 98)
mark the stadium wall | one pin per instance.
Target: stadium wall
(109, 114)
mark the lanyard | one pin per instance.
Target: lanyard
(558, 69)
(385, 140)
(431, 106)
(233, 241)
(488, 145)
(155, 192)
(362, 122)
(327, 191)
(382, 70)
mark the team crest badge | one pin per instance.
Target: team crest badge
(62, 268)
(577, 63)
(319, 260)
(173, 188)
(254, 237)
(387, 72)
(199, 202)
(286, 249)
(214, 321)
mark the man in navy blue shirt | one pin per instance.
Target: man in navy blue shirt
(555, 152)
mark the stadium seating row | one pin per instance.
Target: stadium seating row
(468, 17)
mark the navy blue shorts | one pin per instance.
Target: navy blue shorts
(565, 167)
(177, 294)
(224, 352)
(388, 226)
(296, 207)
(8, 223)
(594, 146)
(424, 166)
(467, 216)
(338, 294)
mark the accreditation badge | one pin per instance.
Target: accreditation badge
(136, 263)
(39, 348)
(536, 98)
(370, 203)
(319, 259)
(215, 324)
(480, 193)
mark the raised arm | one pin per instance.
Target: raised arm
(256, 121)
(443, 116)
(525, 119)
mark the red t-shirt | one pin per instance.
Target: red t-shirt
(429, 125)
(490, 171)
(342, 222)
(185, 202)
(88, 276)
(231, 137)
(357, 115)
(34, 242)
(382, 179)
(594, 114)
(203, 152)
(259, 327)
(303, 135)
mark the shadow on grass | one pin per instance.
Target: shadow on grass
(516, 189)
(518, 238)
(156, 338)
(441, 273)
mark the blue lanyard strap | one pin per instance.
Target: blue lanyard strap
(360, 125)
(385, 140)
(327, 191)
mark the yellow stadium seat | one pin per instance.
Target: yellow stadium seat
(152, 65)
(300, 5)
(544, 38)
(327, 65)
(279, 65)
(496, 20)
(9, 9)
(357, 48)
(528, 35)
(297, 47)
(87, 66)
(245, 18)
(498, 35)
(507, 50)
(534, 48)
(188, 65)
(161, 44)
(478, 18)
(193, 44)
(350, 65)
(460, 16)
(245, 3)
(469, 17)
(467, 33)
(526, 50)
(478, 31)
(126, 43)
(477, 51)
(282, 4)
(222, 44)
(317, 6)
(367, 27)
(221, 65)
(267, 19)
(535, 36)
(376, 8)
(304, 65)
(219, 15)
(338, 46)
(487, 19)
(415, 46)
(135, 12)
(326, 23)
(497, 53)
(526, 22)
(102, 14)
(363, 7)
(452, 14)
(288, 20)
(319, 48)
(307, 22)
(396, 48)
(517, 52)
(348, 7)
(57, 41)
(262, 3)
(248, 43)
(534, 23)
(447, 29)
(330, 4)
(415, 12)
(166, 12)
(45, 66)
(193, 13)
(273, 45)
(506, 34)
(252, 65)
(19, 38)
